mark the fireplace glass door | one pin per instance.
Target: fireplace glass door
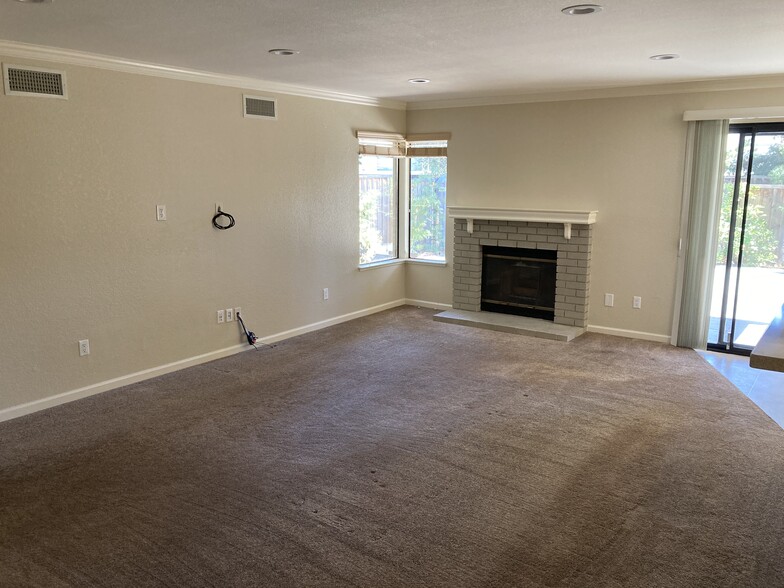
(519, 281)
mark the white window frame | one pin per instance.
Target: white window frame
(403, 200)
(409, 259)
(396, 194)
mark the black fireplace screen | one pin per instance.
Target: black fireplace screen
(519, 281)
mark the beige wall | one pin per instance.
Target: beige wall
(622, 156)
(82, 255)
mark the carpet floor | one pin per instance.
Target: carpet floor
(397, 451)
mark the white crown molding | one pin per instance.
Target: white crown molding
(79, 58)
(69, 57)
(744, 83)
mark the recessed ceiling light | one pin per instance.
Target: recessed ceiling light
(581, 9)
(418, 81)
(283, 51)
(664, 56)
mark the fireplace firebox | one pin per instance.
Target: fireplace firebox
(519, 281)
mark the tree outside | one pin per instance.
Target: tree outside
(764, 231)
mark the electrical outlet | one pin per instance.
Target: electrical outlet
(229, 315)
(237, 312)
(84, 347)
(221, 316)
(609, 299)
(326, 293)
(637, 302)
(160, 212)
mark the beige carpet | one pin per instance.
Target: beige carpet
(397, 451)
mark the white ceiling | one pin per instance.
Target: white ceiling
(468, 48)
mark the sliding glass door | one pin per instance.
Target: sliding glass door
(748, 288)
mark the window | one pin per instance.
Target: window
(427, 208)
(378, 206)
(401, 179)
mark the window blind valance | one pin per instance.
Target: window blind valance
(394, 145)
(426, 149)
(388, 144)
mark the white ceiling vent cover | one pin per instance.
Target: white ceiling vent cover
(258, 107)
(25, 80)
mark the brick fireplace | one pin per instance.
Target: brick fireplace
(570, 238)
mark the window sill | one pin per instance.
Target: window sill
(377, 264)
(433, 262)
(390, 262)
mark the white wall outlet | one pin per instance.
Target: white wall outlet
(84, 347)
(326, 293)
(221, 316)
(229, 315)
(637, 302)
(609, 299)
(237, 312)
(160, 212)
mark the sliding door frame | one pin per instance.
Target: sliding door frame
(744, 131)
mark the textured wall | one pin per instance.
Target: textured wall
(82, 256)
(622, 156)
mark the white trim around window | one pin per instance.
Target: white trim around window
(391, 262)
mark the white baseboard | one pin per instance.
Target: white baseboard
(428, 304)
(50, 401)
(629, 334)
(333, 321)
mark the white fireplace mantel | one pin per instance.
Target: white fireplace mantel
(565, 217)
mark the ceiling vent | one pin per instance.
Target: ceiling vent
(258, 107)
(25, 80)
